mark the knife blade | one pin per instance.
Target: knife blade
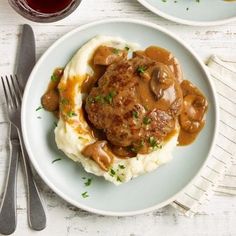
(25, 62)
(26, 57)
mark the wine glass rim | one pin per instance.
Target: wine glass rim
(45, 17)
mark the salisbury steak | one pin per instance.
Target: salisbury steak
(135, 103)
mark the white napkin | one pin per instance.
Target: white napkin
(219, 174)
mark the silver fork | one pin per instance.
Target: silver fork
(13, 96)
(8, 205)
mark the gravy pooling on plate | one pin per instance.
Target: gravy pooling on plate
(132, 105)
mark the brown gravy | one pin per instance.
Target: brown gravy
(164, 56)
(181, 99)
(192, 118)
(50, 100)
(100, 153)
(146, 95)
(91, 81)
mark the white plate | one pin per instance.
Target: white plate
(145, 193)
(191, 12)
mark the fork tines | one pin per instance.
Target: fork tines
(12, 90)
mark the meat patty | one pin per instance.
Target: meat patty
(126, 106)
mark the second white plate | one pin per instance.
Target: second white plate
(193, 12)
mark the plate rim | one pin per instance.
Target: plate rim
(183, 21)
(24, 114)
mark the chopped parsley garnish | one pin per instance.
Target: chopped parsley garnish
(146, 120)
(91, 99)
(141, 69)
(39, 108)
(85, 195)
(127, 48)
(54, 78)
(71, 114)
(132, 149)
(116, 51)
(65, 101)
(122, 167)
(99, 98)
(55, 123)
(153, 143)
(135, 114)
(88, 182)
(112, 172)
(110, 96)
(118, 179)
(58, 159)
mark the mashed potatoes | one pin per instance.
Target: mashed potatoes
(72, 140)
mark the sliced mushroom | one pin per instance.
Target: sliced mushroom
(194, 108)
(162, 79)
(50, 100)
(99, 152)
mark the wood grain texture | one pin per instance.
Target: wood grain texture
(219, 215)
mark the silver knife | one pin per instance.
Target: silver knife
(8, 205)
(26, 58)
(25, 62)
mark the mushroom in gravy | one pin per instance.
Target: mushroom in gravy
(136, 103)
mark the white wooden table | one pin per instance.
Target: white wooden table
(218, 218)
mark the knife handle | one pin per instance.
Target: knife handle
(36, 214)
(8, 206)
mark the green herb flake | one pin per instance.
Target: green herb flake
(121, 166)
(64, 101)
(127, 48)
(109, 97)
(132, 149)
(54, 78)
(39, 108)
(112, 172)
(99, 98)
(85, 195)
(118, 179)
(141, 69)
(91, 100)
(71, 114)
(88, 182)
(146, 120)
(135, 114)
(58, 159)
(116, 51)
(153, 143)
(55, 123)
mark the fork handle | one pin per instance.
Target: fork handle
(36, 214)
(8, 206)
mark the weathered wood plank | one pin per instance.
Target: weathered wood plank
(64, 219)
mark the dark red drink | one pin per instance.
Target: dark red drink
(44, 10)
(48, 6)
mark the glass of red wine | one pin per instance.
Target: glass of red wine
(44, 10)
